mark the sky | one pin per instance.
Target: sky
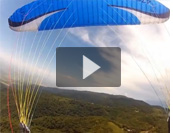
(145, 54)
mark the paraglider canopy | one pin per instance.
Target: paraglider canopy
(57, 14)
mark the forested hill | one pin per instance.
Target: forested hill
(98, 98)
(70, 111)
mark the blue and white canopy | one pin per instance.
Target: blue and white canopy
(57, 14)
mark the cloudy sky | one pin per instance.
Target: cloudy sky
(145, 54)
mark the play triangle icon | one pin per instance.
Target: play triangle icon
(89, 67)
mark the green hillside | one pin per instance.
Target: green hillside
(87, 112)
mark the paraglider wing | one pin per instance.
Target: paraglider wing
(52, 14)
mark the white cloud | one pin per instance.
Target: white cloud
(148, 45)
(22, 70)
(143, 43)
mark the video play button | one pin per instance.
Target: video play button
(89, 67)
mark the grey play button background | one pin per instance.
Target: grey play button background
(69, 67)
